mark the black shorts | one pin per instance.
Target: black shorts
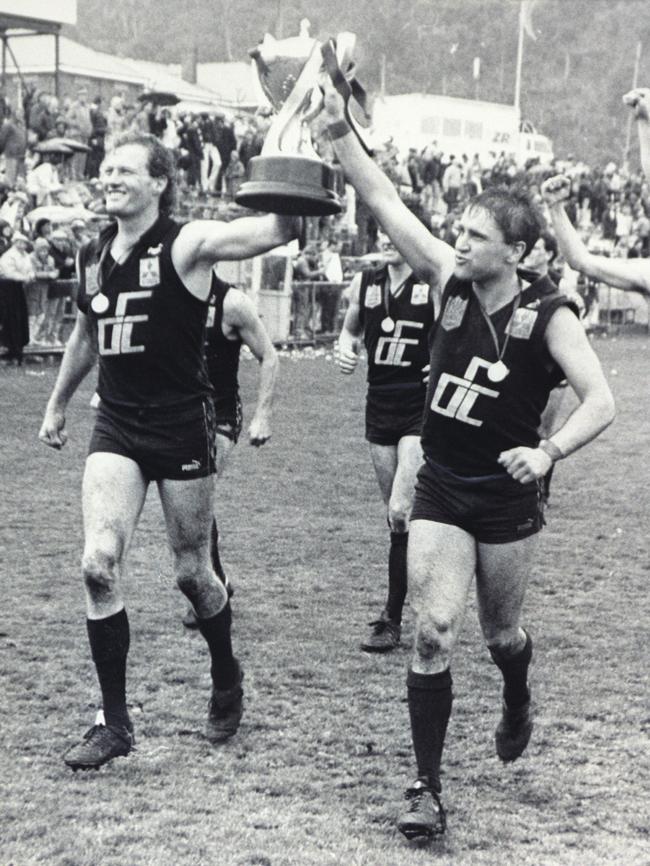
(494, 509)
(229, 417)
(175, 444)
(394, 413)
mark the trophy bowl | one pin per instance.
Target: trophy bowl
(288, 177)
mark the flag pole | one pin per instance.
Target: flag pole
(635, 82)
(520, 57)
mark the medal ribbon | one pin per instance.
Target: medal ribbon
(488, 321)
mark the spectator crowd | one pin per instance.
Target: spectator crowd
(51, 200)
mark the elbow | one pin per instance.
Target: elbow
(606, 409)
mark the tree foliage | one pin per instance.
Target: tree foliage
(574, 72)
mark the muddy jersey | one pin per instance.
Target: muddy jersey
(222, 354)
(150, 328)
(473, 410)
(395, 356)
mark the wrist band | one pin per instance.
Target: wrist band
(551, 449)
(338, 129)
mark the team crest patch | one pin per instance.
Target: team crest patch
(149, 272)
(212, 312)
(92, 283)
(522, 323)
(420, 293)
(373, 296)
(453, 313)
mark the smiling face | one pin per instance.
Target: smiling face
(481, 251)
(389, 253)
(128, 187)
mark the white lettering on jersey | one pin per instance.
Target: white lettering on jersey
(390, 350)
(461, 401)
(115, 334)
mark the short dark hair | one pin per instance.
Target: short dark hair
(513, 212)
(160, 163)
(550, 243)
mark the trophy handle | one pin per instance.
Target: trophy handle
(287, 115)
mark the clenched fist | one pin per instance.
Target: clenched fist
(556, 189)
(639, 101)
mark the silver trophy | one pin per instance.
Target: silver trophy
(288, 176)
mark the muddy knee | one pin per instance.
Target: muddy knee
(434, 637)
(99, 570)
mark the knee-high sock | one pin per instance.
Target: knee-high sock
(514, 669)
(429, 700)
(397, 581)
(109, 644)
(214, 552)
(216, 631)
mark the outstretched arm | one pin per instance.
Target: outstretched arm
(240, 314)
(78, 359)
(432, 260)
(630, 274)
(202, 243)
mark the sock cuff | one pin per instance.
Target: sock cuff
(109, 637)
(429, 682)
(399, 539)
(525, 654)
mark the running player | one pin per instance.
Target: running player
(499, 346)
(394, 313)
(144, 287)
(232, 323)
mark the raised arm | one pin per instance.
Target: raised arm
(639, 101)
(347, 346)
(241, 315)
(629, 274)
(432, 260)
(78, 359)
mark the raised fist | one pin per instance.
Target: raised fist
(556, 189)
(639, 101)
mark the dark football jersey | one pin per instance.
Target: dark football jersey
(397, 353)
(221, 353)
(474, 410)
(150, 327)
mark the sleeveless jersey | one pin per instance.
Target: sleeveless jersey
(470, 419)
(395, 357)
(150, 336)
(222, 354)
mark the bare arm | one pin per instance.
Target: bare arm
(78, 359)
(639, 101)
(240, 314)
(570, 348)
(629, 274)
(202, 243)
(432, 260)
(347, 347)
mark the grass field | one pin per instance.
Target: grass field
(315, 775)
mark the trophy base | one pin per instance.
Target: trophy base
(292, 185)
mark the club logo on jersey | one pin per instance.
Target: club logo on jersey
(390, 350)
(91, 277)
(115, 334)
(522, 323)
(419, 294)
(373, 296)
(212, 312)
(455, 397)
(150, 272)
(453, 313)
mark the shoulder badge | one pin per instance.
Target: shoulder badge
(373, 296)
(453, 313)
(420, 294)
(522, 323)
